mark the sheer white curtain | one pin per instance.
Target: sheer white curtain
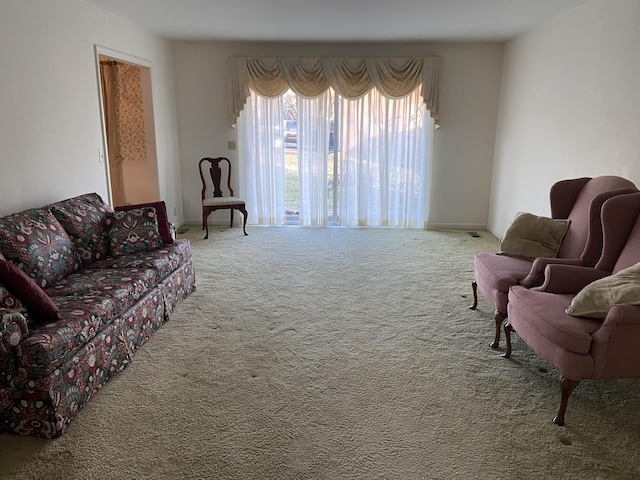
(314, 122)
(261, 156)
(381, 152)
(384, 159)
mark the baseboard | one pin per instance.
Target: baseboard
(493, 231)
(431, 226)
(198, 222)
(456, 226)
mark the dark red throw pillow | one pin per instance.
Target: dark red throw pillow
(163, 220)
(25, 288)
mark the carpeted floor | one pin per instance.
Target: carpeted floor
(336, 354)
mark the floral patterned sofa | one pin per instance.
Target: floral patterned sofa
(81, 288)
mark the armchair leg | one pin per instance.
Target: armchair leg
(567, 386)
(231, 223)
(507, 335)
(474, 287)
(499, 318)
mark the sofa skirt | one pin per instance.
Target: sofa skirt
(47, 405)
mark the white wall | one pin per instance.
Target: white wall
(569, 107)
(50, 127)
(463, 146)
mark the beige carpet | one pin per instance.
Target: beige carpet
(336, 354)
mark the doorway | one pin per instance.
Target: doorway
(129, 130)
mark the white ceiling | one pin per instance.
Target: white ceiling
(338, 20)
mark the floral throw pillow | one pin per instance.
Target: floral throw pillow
(84, 222)
(164, 227)
(133, 231)
(36, 242)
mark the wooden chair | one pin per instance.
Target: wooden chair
(218, 201)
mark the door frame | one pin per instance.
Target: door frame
(149, 117)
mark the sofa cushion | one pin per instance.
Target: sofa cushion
(124, 286)
(133, 231)
(599, 296)
(95, 200)
(163, 261)
(83, 218)
(88, 300)
(532, 236)
(163, 220)
(36, 301)
(36, 242)
(51, 344)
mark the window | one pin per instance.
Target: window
(329, 160)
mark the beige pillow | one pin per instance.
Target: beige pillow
(531, 236)
(595, 299)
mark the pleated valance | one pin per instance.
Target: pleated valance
(351, 77)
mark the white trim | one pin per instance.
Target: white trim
(122, 56)
(99, 51)
(457, 226)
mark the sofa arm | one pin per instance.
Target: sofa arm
(13, 329)
(565, 279)
(536, 274)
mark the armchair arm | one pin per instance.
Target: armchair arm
(614, 347)
(619, 314)
(568, 278)
(536, 274)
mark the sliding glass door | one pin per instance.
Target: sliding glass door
(328, 160)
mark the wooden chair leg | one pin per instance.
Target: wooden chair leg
(507, 336)
(567, 386)
(244, 222)
(231, 223)
(474, 287)
(499, 318)
(205, 224)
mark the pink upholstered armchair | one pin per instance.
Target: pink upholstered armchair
(578, 200)
(586, 321)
